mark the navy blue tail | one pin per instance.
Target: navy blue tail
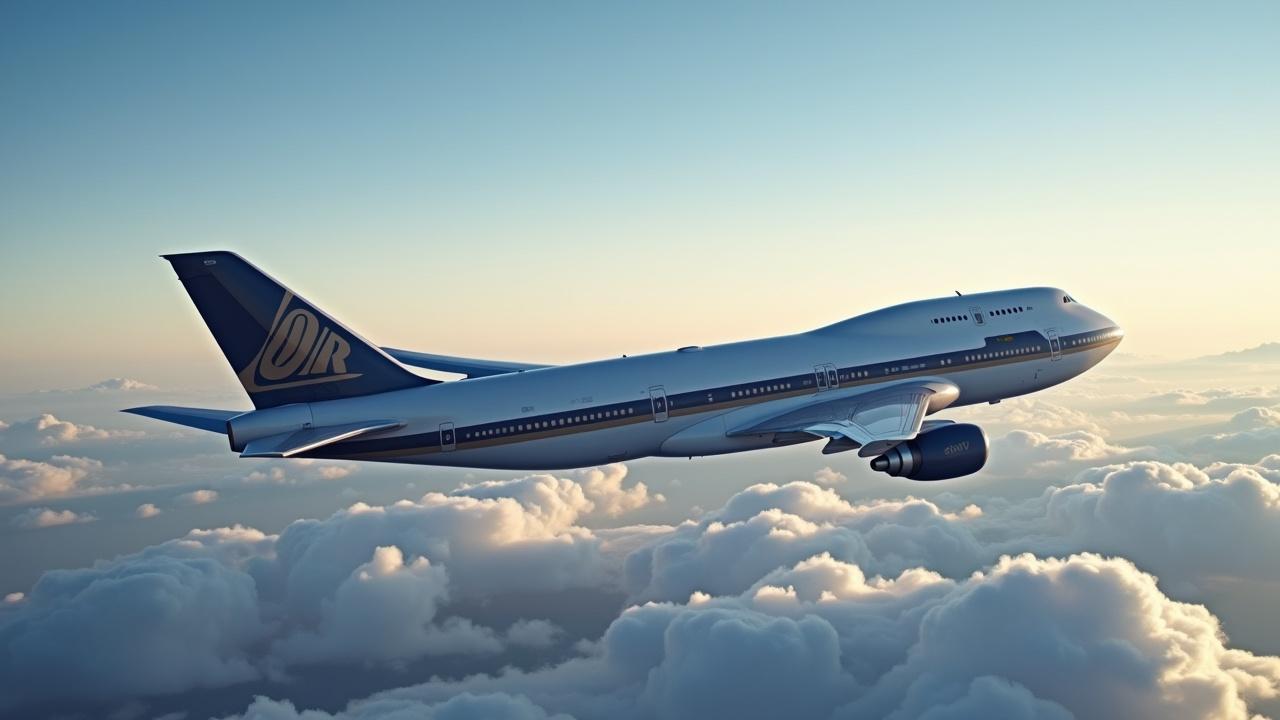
(283, 348)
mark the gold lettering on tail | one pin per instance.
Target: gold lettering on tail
(297, 351)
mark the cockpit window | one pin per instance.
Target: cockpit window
(1068, 299)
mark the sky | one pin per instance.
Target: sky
(554, 183)
(466, 179)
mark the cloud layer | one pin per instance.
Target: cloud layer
(785, 593)
(822, 640)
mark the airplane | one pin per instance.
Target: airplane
(868, 384)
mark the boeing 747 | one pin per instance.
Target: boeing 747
(869, 383)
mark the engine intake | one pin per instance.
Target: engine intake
(950, 451)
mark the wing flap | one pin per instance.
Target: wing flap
(471, 367)
(299, 441)
(873, 421)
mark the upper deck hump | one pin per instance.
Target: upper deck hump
(902, 318)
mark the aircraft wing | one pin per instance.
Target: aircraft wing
(873, 421)
(291, 443)
(471, 367)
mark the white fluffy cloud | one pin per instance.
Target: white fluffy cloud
(168, 619)
(22, 480)
(48, 431)
(603, 487)
(828, 476)
(367, 585)
(300, 470)
(561, 502)
(1026, 454)
(198, 497)
(787, 600)
(1249, 434)
(820, 639)
(1053, 627)
(146, 510)
(43, 517)
(1188, 525)
(383, 611)
(1032, 414)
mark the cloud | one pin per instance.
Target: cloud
(368, 585)
(603, 486)
(1186, 524)
(1025, 454)
(1036, 415)
(121, 384)
(384, 611)
(1211, 401)
(563, 501)
(466, 706)
(22, 480)
(164, 620)
(827, 476)
(1247, 435)
(198, 497)
(768, 526)
(1192, 526)
(297, 471)
(821, 639)
(44, 517)
(1054, 626)
(47, 431)
(786, 594)
(533, 633)
(146, 510)
(1256, 417)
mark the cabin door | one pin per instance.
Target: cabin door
(1055, 345)
(658, 399)
(447, 439)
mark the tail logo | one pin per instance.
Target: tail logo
(299, 350)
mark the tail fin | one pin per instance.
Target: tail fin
(283, 348)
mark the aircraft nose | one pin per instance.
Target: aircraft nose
(1114, 330)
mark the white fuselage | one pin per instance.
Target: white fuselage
(688, 402)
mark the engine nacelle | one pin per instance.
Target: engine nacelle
(256, 424)
(947, 452)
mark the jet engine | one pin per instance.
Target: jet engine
(947, 452)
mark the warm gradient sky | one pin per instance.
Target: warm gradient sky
(583, 180)
(564, 181)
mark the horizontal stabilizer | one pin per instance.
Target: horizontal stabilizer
(471, 367)
(292, 443)
(199, 418)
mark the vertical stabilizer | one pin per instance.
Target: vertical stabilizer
(283, 349)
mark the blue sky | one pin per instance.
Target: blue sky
(456, 178)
